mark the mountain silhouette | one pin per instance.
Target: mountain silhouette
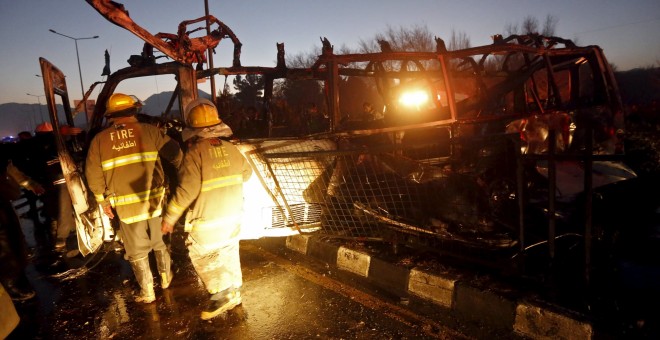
(156, 104)
(17, 117)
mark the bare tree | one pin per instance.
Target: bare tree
(416, 38)
(458, 41)
(303, 60)
(531, 25)
(550, 25)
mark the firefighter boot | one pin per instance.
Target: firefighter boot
(164, 262)
(145, 279)
(222, 302)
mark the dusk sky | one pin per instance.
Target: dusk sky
(626, 30)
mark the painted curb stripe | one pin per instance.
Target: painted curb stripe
(532, 321)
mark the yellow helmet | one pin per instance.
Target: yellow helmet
(121, 103)
(201, 113)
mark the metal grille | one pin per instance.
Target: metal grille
(363, 184)
(373, 186)
(304, 214)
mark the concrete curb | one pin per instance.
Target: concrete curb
(527, 318)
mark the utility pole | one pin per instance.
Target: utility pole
(41, 114)
(82, 88)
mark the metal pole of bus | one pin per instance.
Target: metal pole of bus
(210, 52)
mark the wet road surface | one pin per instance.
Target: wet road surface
(283, 298)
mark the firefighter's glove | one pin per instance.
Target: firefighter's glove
(107, 209)
(166, 227)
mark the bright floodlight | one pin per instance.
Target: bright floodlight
(414, 98)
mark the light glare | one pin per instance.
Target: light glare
(414, 98)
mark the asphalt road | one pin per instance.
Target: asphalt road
(285, 296)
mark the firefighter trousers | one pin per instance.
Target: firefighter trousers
(65, 220)
(219, 267)
(142, 237)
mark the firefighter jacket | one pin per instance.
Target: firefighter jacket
(210, 183)
(123, 168)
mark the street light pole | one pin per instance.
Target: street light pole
(41, 114)
(82, 88)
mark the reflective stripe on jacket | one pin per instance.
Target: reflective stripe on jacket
(211, 176)
(123, 167)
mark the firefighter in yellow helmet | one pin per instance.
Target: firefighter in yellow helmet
(125, 173)
(211, 187)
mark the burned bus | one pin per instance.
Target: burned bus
(495, 148)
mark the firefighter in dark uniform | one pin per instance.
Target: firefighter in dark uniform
(125, 173)
(211, 185)
(57, 200)
(13, 248)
